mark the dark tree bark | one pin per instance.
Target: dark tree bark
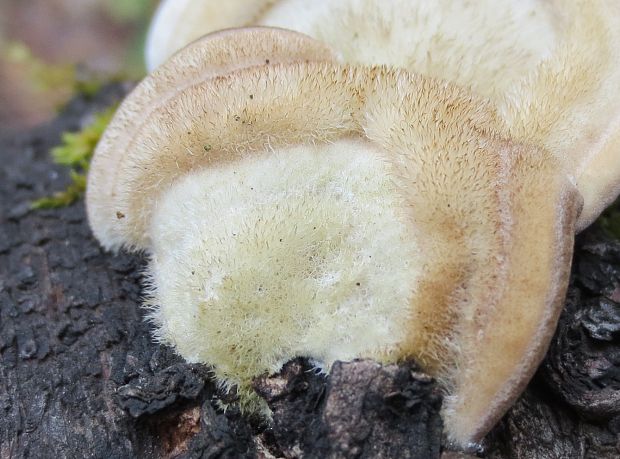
(81, 377)
(572, 407)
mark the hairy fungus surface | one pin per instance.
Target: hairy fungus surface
(551, 67)
(214, 55)
(332, 211)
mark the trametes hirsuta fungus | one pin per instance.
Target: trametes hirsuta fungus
(293, 206)
(551, 67)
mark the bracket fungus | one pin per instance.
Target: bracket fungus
(294, 206)
(551, 67)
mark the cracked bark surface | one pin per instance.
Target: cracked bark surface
(81, 377)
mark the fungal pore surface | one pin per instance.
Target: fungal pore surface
(293, 206)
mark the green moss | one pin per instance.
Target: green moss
(610, 220)
(77, 147)
(66, 197)
(88, 87)
(75, 152)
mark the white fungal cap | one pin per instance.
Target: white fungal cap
(571, 104)
(312, 209)
(551, 67)
(179, 22)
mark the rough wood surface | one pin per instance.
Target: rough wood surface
(81, 377)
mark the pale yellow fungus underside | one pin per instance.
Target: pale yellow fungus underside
(301, 251)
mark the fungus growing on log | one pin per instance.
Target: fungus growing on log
(551, 68)
(308, 208)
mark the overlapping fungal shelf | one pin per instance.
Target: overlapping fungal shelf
(294, 206)
(551, 67)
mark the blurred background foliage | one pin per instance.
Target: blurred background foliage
(50, 49)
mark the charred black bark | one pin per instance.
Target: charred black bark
(81, 377)
(363, 410)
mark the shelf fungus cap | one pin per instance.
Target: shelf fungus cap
(308, 208)
(215, 55)
(552, 68)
